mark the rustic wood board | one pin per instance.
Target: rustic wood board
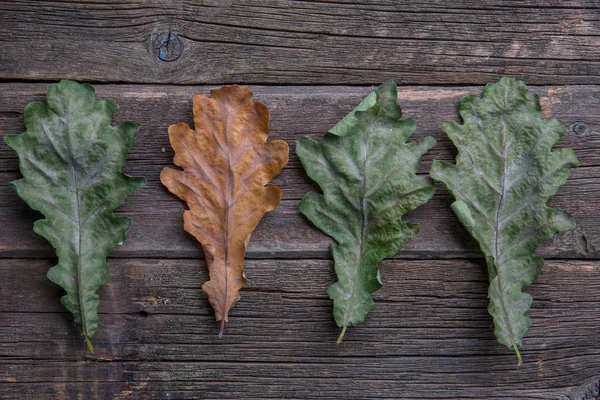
(292, 42)
(310, 62)
(302, 112)
(429, 335)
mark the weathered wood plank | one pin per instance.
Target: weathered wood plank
(299, 111)
(291, 42)
(429, 335)
(287, 380)
(302, 112)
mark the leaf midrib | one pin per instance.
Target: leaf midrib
(230, 197)
(502, 195)
(79, 276)
(364, 218)
(228, 202)
(79, 272)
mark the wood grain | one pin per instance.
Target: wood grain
(429, 335)
(292, 42)
(302, 112)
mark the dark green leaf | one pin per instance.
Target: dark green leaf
(71, 160)
(367, 173)
(503, 177)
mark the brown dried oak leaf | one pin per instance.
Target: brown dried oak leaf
(226, 161)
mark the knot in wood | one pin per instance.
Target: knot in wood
(579, 128)
(167, 46)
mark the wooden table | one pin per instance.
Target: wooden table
(429, 335)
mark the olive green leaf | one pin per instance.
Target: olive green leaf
(503, 177)
(368, 175)
(71, 160)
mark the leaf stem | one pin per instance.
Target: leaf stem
(222, 328)
(341, 337)
(89, 344)
(518, 356)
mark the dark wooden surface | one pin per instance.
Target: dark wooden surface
(429, 335)
(307, 42)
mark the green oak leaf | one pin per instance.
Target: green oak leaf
(71, 160)
(368, 174)
(503, 177)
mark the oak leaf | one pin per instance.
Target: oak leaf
(226, 161)
(505, 173)
(368, 174)
(71, 160)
